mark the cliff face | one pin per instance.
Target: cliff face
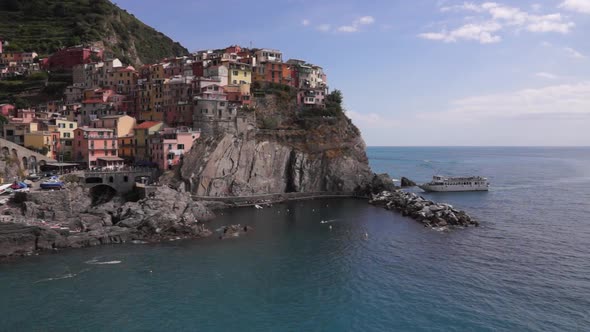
(301, 155)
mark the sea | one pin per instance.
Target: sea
(342, 264)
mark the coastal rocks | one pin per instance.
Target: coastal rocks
(405, 182)
(66, 219)
(430, 214)
(234, 231)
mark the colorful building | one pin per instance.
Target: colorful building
(239, 73)
(7, 110)
(44, 142)
(126, 147)
(168, 146)
(65, 128)
(142, 132)
(68, 58)
(121, 124)
(96, 147)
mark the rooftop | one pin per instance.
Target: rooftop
(147, 125)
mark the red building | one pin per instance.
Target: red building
(67, 58)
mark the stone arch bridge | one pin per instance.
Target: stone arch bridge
(26, 159)
(121, 181)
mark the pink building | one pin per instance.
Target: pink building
(7, 110)
(96, 147)
(169, 145)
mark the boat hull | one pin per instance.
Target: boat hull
(454, 188)
(51, 185)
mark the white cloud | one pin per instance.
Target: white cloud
(348, 28)
(553, 100)
(494, 18)
(483, 33)
(356, 24)
(581, 6)
(305, 22)
(371, 120)
(546, 75)
(365, 20)
(324, 27)
(574, 54)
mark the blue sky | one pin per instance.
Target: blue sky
(421, 72)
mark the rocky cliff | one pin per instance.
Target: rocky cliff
(53, 220)
(303, 153)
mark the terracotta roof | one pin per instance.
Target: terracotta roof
(93, 101)
(147, 125)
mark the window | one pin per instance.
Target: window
(169, 146)
(125, 178)
(69, 143)
(181, 146)
(78, 143)
(71, 125)
(235, 72)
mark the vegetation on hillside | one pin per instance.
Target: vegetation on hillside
(45, 26)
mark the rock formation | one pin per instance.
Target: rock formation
(67, 219)
(429, 213)
(305, 155)
(405, 182)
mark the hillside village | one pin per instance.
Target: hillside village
(114, 115)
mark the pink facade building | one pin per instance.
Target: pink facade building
(96, 147)
(7, 110)
(168, 146)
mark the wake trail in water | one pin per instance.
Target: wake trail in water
(65, 276)
(96, 262)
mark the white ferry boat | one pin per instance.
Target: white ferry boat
(444, 184)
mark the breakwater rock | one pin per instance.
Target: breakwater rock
(429, 213)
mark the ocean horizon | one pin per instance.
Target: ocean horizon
(342, 264)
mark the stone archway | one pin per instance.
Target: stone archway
(5, 152)
(15, 156)
(102, 193)
(33, 164)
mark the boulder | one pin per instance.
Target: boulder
(405, 182)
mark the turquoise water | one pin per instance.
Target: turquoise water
(526, 269)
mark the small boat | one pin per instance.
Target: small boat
(5, 188)
(19, 186)
(447, 184)
(52, 183)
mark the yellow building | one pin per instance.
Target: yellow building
(142, 133)
(42, 141)
(239, 73)
(15, 131)
(126, 147)
(66, 136)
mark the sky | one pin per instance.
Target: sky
(419, 72)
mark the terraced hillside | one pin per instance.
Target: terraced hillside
(47, 25)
